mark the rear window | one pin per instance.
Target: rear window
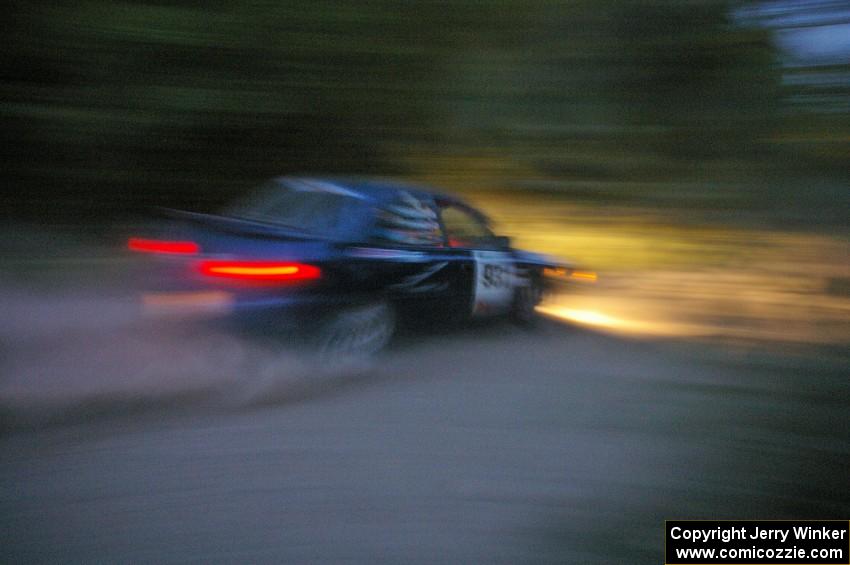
(309, 206)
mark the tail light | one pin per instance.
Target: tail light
(271, 271)
(163, 246)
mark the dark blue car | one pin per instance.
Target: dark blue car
(341, 261)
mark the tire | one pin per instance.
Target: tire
(356, 333)
(526, 298)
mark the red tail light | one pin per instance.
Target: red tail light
(260, 270)
(163, 246)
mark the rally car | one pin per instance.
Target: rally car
(341, 261)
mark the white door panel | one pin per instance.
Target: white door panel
(494, 284)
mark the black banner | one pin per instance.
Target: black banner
(757, 542)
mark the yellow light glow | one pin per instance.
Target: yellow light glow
(589, 317)
(561, 272)
(584, 275)
(607, 322)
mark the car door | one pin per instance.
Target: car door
(407, 256)
(490, 271)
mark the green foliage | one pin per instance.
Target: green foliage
(109, 105)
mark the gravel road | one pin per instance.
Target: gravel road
(483, 445)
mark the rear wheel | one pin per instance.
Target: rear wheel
(357, 332)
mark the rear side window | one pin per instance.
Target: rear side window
(313, 207)
(408, 220)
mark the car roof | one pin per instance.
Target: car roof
(376, 189)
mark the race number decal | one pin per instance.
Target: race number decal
(495, 279)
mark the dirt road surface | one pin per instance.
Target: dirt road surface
(482, 445)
